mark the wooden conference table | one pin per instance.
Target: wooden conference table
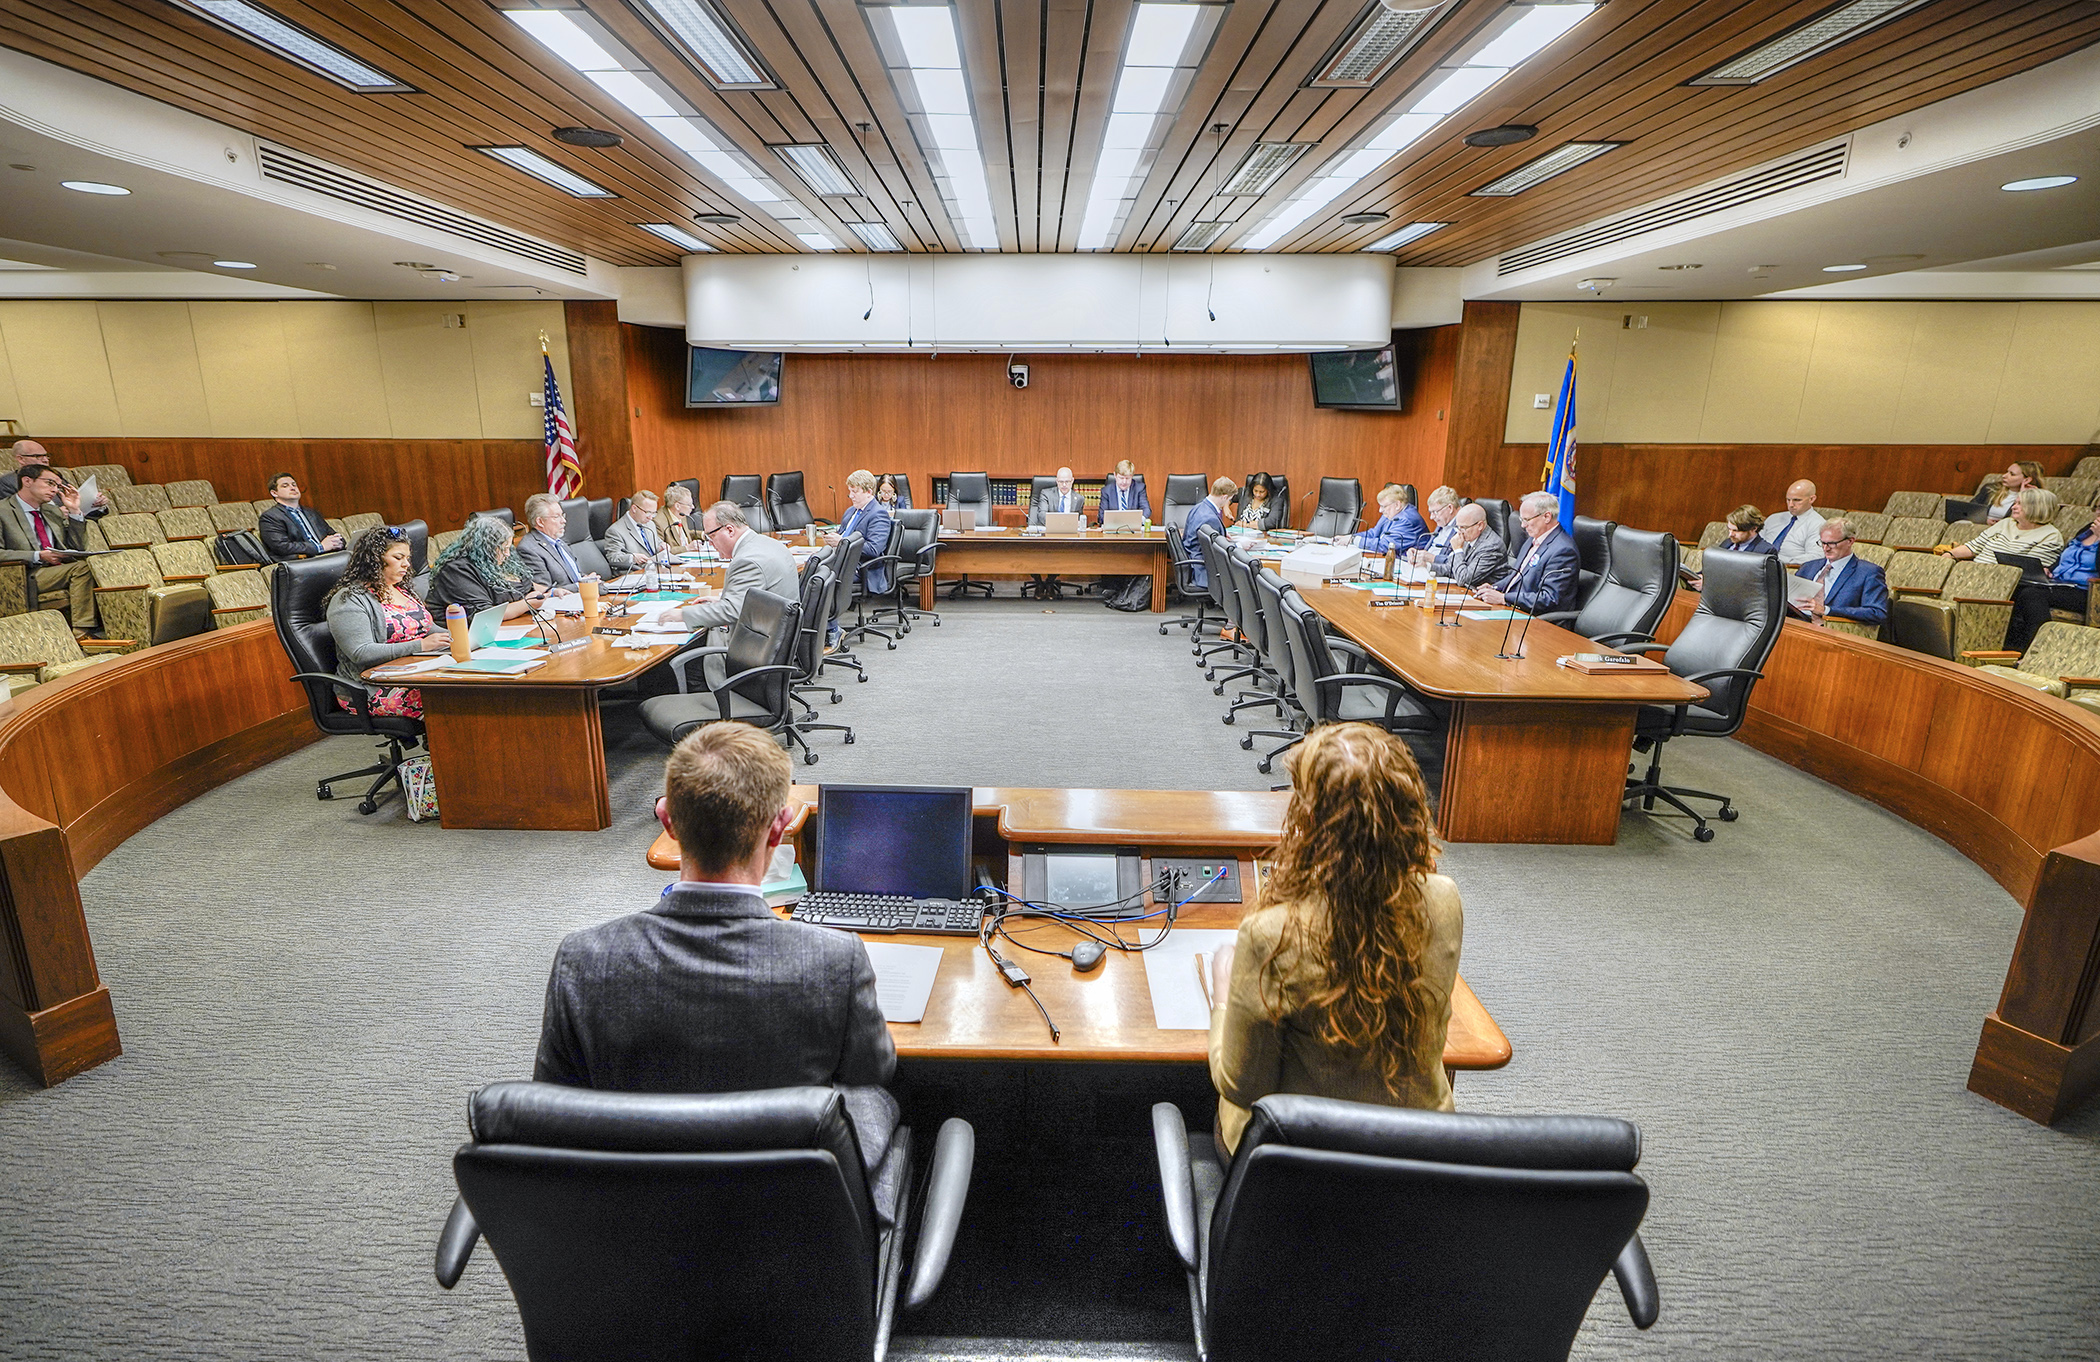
(1105, 1014)
(1534, 752)
(985, 553)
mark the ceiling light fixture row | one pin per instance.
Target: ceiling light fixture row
(1165, 45)
(921, 50)
(1505, 42)
(677, 236)
(295, 44)
(1812, 37)
(1538, 170)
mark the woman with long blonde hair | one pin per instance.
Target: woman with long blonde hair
(1340, 984)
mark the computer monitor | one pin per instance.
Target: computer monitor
(912, 840)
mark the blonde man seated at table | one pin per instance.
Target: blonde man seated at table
(2026, 530)
(1341, 986)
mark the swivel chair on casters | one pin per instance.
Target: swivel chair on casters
(1340, 509)
(746, 491)
(296, 592)
(970, 492)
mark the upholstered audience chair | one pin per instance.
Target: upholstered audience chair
(14, 588)
(1867, 527)
(1911, 506)
(106, 476)
(193, 492)
(1691, 559)
(441, 541)
(227, 516)
(132, 531)
(351, 526)
(2063, 660)
(1915, 532)
(1980, 595)
(144, 499)
(39, 646)
(135, 602)
(1715, 533)
(2071, 518)
(237, 597)
(1923, 574)
(187, 522)
(2089, 468)
(1962, 531)
(185, 560)
(263, 505)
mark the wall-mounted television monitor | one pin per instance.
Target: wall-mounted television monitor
(731, 378)
(1358, 380)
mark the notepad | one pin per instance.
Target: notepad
(501, 666)
(904, 978)
(1492, 614)
(1379, 588)
(514, 650)
(649, 596)
(1179, 1001)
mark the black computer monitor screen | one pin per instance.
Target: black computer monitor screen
(1363, 380)
(731, 378)
(1079, 881)
(894, 839)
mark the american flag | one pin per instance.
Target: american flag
(564, 473)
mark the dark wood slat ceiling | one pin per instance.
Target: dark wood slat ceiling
(1042, 73)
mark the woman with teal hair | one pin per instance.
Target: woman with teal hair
(475, 573)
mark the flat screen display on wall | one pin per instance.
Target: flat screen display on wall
(731, 378)
(1358, 380)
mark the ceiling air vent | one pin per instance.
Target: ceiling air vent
(1379, 39)
(1819, 163)
(1262, 167)
(319, 177)
(1201, 236)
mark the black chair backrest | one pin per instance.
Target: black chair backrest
(1341, 507)
(816, 590)
(418, 535)
(746, 490)
(1593, 546)
(1213, 546)
(1736, 624)
(1306, 637)
(583, 540)
(763, 636)
(1036, 487)
(1268, 600)
(1184, 490)
(920, 530)
(785, 502)
(1503, 521)
(691, 486)
(501, 515)
(638, 1224)
(1279, 497)
(902, 482)
(601, 516)
(577, 528)
(971, 492)
(297, 592)
(1439, 1235)
(1636, 589)
(845, 563)
(1242, 568)
(1184, 559)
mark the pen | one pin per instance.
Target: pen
(1203, 977)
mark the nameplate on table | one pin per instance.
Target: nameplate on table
(1392, 602)
(569, 645)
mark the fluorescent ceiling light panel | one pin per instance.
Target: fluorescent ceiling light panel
(920, 49)
(1369, 50)
(712, 42)
(1558, 161)
(1165, 45)
(819, 169)
(1262, 167)
(540, 168)
(1200, 235)
(816, 241)
(683, 240)
(2039, 182)
(295, 44)
(875, 236)
(1505, 42)
(93, 187)
(1413, 231)
(1840, 24)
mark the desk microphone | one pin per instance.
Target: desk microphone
(1518, 655)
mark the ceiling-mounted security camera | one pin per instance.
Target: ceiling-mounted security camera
(1017, 374)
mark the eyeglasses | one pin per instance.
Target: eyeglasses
(1833, 543)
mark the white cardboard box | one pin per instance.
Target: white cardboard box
(1304, 567)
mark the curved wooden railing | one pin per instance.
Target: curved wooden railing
(89, 759)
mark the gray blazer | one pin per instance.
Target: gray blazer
(1050, 500)
(1483, 560)
(708, 991)
(18, 541)
(759, 561)
(543, 561)
(358, 625)
(623, 546)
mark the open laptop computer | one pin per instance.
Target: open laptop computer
(958, 519)
(2031, 568)
(1960, 510)
(1061, 522)
(892, 858)
(481, 629)
(1122, 520)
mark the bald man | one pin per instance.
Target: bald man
(1474, 556)
(1062, 498)
(1792, 534)
(29, 453)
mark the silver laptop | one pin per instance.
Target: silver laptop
(1122, 520)
(1061, 522)
(958, 518)
(481, 629)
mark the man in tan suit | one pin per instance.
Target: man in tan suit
(37, 526)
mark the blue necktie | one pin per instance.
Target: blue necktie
(304, 528)
(562, 548)
(1779, 540)
(647, 542)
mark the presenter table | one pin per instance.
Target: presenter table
(1535, 752)
(1104, 1014)
(1090, 553)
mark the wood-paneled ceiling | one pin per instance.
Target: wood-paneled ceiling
(1042, 73)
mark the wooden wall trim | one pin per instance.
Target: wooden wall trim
(1480, 401)
(599, 408)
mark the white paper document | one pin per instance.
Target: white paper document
(1179, 999)
(506, 654)
(649, 640)
(421, 665)
(565, 603)
(669, 622)
(516, 630)
(904, 978)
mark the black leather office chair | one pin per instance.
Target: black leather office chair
(1722, 647)
(1281, 660)
(691, 485)
(902, 482)
(1593, 547)
(1503, 521)
(1439, 1235)
(1184, 490)
(1279, 498)
(786, 505)
(1628, 603)
(1185, 558)
(633, 1225)
(970, 492)
(601, 516)
(885, 556)
(1037, 585)
(844, 560)
(807, 659)
(297, 609)
(418, 535)
(582, 539)
(1214, 547)
(756, 675)
(501, 515)
(1332, 692)
(747, 490)
(1259, 669)
(1341, 508)
(917, 549)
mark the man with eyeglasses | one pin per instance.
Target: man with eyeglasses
(1548, 567)
(542, 550)
(1849, 588)
(751, 560)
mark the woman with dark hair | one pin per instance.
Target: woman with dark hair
(375, 618)
(475, 572)
(1340, 984)
(886, 492)
(1258, 513)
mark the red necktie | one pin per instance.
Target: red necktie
(43, 531)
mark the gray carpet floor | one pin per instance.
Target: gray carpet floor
(307, 997)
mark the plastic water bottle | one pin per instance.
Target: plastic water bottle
(456, 625)
(649, 576)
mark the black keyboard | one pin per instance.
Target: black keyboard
(890, 913)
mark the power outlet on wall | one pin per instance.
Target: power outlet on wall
(1541, 401)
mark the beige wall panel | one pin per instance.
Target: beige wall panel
(429, 371)
(505, 337)
(61, 371)
(153, 368)
(337, 379)
(1660, 374)
(10, 400)
(1760, 368)
(1855, 373)
(247, 372)
(2051, 390)
(1543, 333)
(1957, 361)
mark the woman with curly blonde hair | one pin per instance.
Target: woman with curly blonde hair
(1340, 985)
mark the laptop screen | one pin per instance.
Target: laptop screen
(893, 839)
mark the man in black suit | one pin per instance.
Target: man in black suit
(290, 530)
(708, 991)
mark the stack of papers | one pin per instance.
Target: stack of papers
(1177, 972)
(417, 667)
(506, 652)
(565, 603)
(499, 666)
(904, 978)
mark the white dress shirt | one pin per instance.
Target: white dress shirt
(1795, 543)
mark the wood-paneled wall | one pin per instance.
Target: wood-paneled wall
(930, 416)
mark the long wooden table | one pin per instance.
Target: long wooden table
(1535, 752)
(1105, 1014)
(1090, 553)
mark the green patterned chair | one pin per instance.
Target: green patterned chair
(1691, 559)
(1970, 612)
(184, 560)
(187, 522)
(106, 475)
(2070, 518)
(2088, 467)
(130, 531)
(441, 541)
(2063, 660)
(195, 492)
(1915, 506)
(260, 506)
(352, 526)
(1962, 531)
(237, 597)
(1714, 533)
(1916, 621)
(1867, 527)
(135, 602)
(14, 588)
(232, 515)
(1915, 532)
(148, 499)
(1923, 574)
(39, 646)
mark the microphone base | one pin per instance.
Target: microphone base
(1510, 657)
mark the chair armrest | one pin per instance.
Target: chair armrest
(189, 538)
(360, 693)
(1703, 677)
(106, 645)
(1649, 647)
(1916, 591)
(240, 567)
(1637, 1283)
(1559, 616)
(2080, 682)
(947, 1188)
(1622, 640)
(1993, 655)
(184, 577)
(1981, 600)
(1349, 646)
(1170, 1141)
(730, 683)
(31, 667)
(236, 609)
(105, 590)
(678, 661)
(456, 1243)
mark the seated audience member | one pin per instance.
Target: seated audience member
(1475, 556)
(867, 517)
(1123, 491)
(290, 530)
(706, 990)
(2019, 476)
(1744, 524)
(29, 452)
(2068, 586)
(1442, 505)
(1399, 528)
(38, 525)
(475, 573)
(1260, 513)
(1548, 565)
(374, 618)
(1851, 588)
(1793, 534)
(1341, 985)
(631, 542)
(750, 560)
(544, 554)
(2025, 529)
(674, 520)
(1208, 512)
(886, 492)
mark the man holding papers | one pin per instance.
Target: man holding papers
(37, 527)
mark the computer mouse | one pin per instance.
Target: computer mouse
(1087, 954)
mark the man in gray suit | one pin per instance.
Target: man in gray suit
(38, 524)
(630, 541)
(753, 560)
(1473, 556)
(708, 991)
(1062, 498)
(541, 551)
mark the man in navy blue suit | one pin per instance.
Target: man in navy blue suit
(1847, 587)
(871, 520)
(1211, 512)
(1544, 578)
(1125, 491)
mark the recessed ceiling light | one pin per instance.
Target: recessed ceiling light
(1411, 232)
(1816, 35)
(1364, 219)
(819, 169)
(93, 187)
(546, 171)
(1370, 49)
(2039, 182)
(712, 42)
(875, 236)
(1507, 135)
(234, 264)
(678, 237)
(295, 44)
(1842, 269)
(1200, 236)
(587, 137)
(718, 219)
(1262, 166)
